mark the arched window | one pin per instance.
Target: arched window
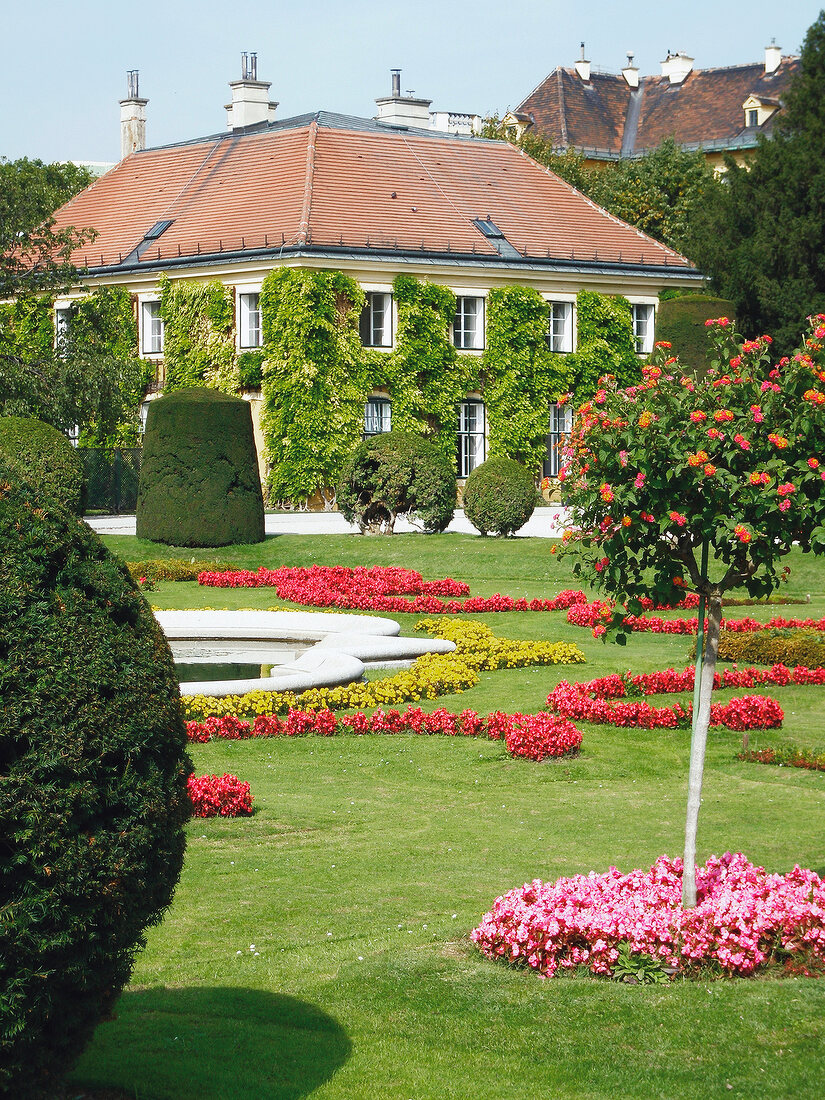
(377, 416)
(472, 435)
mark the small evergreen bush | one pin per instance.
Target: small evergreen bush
(93, 770)
(499, 496)
(43, 456)
(199, 483)
(398, 473)
(771, 647)
(174, 569)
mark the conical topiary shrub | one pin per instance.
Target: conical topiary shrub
(199, 483)
(93, 799)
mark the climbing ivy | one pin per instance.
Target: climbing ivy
(605, 344)
(313, 380)
(198, 335)
(317, 377)
(522, 375)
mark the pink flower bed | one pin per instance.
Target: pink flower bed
(219, 795)
(744, 920)
(380, 588)
(533, 736)
(592, 700)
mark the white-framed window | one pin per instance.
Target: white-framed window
(643, 317)
(62, 320)
(376, 320)
(151, 328)
(377, 415)
(560, 326)
(472, 435)
(249, 316)
(468, 327)
(560, 424)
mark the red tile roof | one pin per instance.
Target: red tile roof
(326, 181)
(704, 110)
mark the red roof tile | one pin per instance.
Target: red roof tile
(328, 181)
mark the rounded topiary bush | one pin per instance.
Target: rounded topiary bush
(199, 483)
(43, 457)
(397, 474)
(499, 496)
(93, 770)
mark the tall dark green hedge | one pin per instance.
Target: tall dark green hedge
(45, 458)
(199, 483)
(93, 801)
(397, 474)
(681, 321)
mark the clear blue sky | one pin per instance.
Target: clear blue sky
(64, 63)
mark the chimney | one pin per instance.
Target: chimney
(631, 73)
(773, 57)
(398, 110)
(583, 67)
(676, 66)
(250, 104)
(132, 117)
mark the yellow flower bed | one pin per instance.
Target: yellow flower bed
(430, 676)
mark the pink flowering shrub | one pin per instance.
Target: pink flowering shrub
(533, 736)
(219, 795)
(744, 921)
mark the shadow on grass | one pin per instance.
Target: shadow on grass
(221, 1043)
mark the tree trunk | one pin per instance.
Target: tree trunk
(698, 741)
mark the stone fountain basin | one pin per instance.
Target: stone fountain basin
(307, 649)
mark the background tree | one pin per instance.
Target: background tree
(699, 484)
(94, 380)
(761, 238)
(660, 193)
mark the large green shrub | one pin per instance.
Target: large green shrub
(199, 483)
(44, 457)
(770, 647)
(681, 322)
(93, 771)
(395, 474)
(499, 496)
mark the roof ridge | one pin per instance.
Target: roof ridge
(304, 233)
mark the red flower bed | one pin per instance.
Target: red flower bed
(591, 700)
(744, 920)
(219, 795)
(379, 588)
(533, 736)
(598, 612)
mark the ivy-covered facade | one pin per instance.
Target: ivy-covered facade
(341, 330)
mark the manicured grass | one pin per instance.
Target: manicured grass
(369, 860)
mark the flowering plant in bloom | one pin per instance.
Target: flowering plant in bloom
(379, 588)
(744, 921)
(714, 526)
(219, 795)
(532, 736)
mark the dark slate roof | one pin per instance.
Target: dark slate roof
(704, 111)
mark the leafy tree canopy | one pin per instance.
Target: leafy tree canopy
(34, 256)
(761, 238)
(659, 193)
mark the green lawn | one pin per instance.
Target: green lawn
(369, 860)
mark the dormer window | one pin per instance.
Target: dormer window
(752, 116)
